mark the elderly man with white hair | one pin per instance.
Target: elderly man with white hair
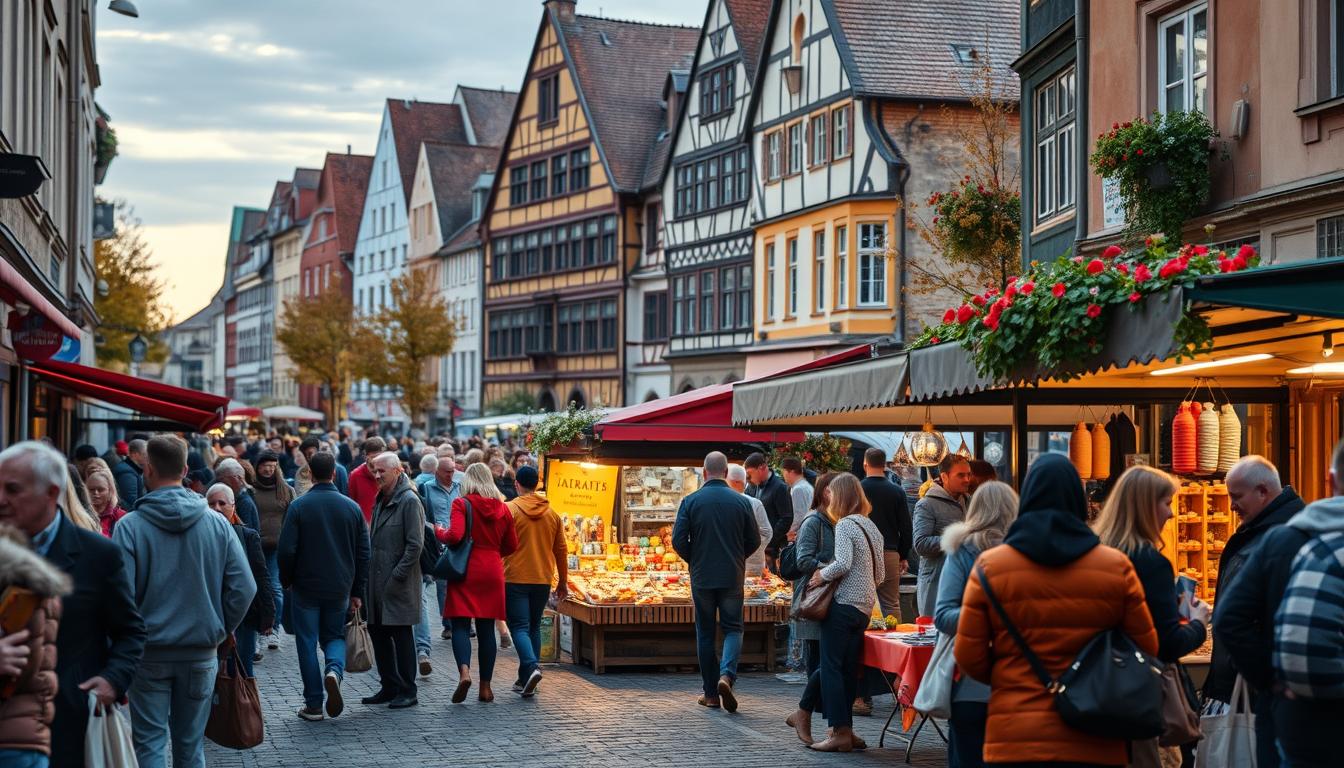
(737, 480)
(1263, 503)
(101, 635)
(395, 583)
(260, 617)
(230, 473)
(715, 532)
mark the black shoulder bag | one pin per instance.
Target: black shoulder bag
(452, 564)
(432, 549)
(788, 559)
(1111, 689)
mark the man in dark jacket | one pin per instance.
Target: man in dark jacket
(1263, 505)
(324, 562)
(130, 474)
(230, 473)
(715, 531)
(395, 583)
(1244, 622)
(101, 636)
(773, 493)
(891, 515)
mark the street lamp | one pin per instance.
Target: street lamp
(124, 7)
(138, 347)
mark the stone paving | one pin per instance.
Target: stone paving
(576, 719)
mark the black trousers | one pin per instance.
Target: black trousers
(394, 653)
(1306, 732)
(836, 682)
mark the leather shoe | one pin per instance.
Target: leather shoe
(381, 697)
(402, 702)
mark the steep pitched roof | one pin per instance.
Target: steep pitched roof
(621, 67)
(414, 122)
(490, 112)
(307, 178)
(348, 176)
(453, 171)
(904, 48)
(749, 18)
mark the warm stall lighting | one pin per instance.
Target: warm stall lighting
(1188, 367)
(587, 465)
(1328, 345)
(1318, 369)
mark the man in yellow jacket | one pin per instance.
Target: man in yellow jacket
(528, 574)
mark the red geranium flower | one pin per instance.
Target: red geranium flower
(1027, 287)
(1122, 269)
(991, 322)
(1224, 265)
(1135, 297)
(949, 316)
(1200, 250)
(1093, 310)
(1238, 263)
(1111, 252)
(1139, 152)
(965, 313)
(933, 339)
(1012, 279)
(1058, 290)
(1096, 267)
(1142, 273)
(978, 300)
(1010, 291)
(1246, 253)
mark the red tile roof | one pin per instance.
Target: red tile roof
(903, 48)
(490, 112)
(749, 18)
(348, 176)
(414, 122)
(621, 68)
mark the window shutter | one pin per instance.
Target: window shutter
(849, 129)
(765, 158)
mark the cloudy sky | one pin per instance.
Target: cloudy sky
(214, 101)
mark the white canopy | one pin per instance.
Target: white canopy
(293, 412)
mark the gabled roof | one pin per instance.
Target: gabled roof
(489, 112)
(749, 18)
(453, 172)
(621, 67)
(466, 238)
(348, 176)
(904, 48)
(415, 122)
(657, 164)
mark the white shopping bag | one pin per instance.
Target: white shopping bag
(107, 741)
(1229, 733)
(934, 697)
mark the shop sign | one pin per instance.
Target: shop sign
(580, 490)
(33, 337)
(1112, 206)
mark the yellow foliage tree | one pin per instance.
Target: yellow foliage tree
(133, 300)
(407, 335)
(321, 335)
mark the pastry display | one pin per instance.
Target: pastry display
(655, 588)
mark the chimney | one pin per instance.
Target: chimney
(564, 9)
(347, 149)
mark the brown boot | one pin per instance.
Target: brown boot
(801, 723)
(841, 740)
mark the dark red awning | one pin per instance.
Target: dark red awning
(15, 289)
(200, 410)
(702, 415)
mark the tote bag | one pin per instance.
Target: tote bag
(1229, 735)
(235, 709)
(934, 697)
(358, 646)
(107, 739)
(1180, 719)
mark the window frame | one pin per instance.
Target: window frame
(540, 183)
(819, 140)
(842, 114)
(548, 99)
(717, 100)
(655, 316)
(579, 175)
(770, 282)
(842, 266)
(795, 148)
(791, 277)
(819, 271)
(1185, 18)
(559, 174)
(773, 158)
(518, 185)
(1054, 135)
(874, 261)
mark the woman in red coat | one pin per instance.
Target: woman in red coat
(480, 596)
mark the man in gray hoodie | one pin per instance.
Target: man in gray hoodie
(193, 585)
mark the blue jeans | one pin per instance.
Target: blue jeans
(524, 605)
(835, 684)
(171, 697)
(246, 637)
(727, 604)
(421, 632)
(485, 645)
(273, 571)
(22, 758)
(441, 587)
(966, 734)
(318, 622)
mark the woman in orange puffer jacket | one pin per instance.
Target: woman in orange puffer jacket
(1061, 587)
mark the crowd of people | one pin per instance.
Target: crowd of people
(156, 562)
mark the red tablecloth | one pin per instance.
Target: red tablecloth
(907, 662)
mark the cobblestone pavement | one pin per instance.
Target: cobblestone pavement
(576, 719)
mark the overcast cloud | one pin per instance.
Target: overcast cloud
(214, 101)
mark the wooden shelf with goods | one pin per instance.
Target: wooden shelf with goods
(1194, 538)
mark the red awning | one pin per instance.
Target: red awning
(200, 410)
(702, 415)
(15, 289)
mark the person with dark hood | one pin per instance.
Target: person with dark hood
(1061, 587)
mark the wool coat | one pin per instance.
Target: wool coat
(395, 540)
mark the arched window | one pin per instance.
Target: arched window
(651, 396)
(686, 386)
(799, 32)
(577, 399)
(546, 402)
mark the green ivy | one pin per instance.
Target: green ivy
(561, 428)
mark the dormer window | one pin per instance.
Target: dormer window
(478, 204)
(965, 54)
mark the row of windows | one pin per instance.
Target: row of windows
(554, 249)
(567, 172)
(711, 183)
(831, 138)
(316, 279)
(711, 300)
(386, 259)
(717, 89)
(254, 344)
(254, 297)
(384, 219)
(577, 328)
(872, 271)
(457, 373)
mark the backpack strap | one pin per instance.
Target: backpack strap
(1032, 658)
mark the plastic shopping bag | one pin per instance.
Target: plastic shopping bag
(1229, 733)
(107, 740)
(934, 697)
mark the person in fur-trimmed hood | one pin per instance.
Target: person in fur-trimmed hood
(28, 656)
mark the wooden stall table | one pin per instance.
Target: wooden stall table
(887, 652)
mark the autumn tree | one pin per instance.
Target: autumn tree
(975, 223)
(408, 335)
(321, 336)
(129, 298)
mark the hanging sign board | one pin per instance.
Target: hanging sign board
(581, 491)
(33, 337)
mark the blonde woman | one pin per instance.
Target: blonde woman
(857, 567)
(1132, 521)
(74, 501)
(102, 487)
(992, 511)
(480, 596)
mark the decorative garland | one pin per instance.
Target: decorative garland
(561, 428)
(819, 452)
(1057, 314)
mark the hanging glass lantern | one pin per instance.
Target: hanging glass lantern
(902, 457)
(965, 450)
(928, 446)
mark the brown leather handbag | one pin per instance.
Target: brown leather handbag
(816, 601)
(235, 710)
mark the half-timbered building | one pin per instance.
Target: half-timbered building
(564, 225)
(706, 191)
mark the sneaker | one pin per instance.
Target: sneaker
(335, 703)
(517, 688)
(726, 696)
(505, 641)
(311, 715)
(425, 666)
(530, 687)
